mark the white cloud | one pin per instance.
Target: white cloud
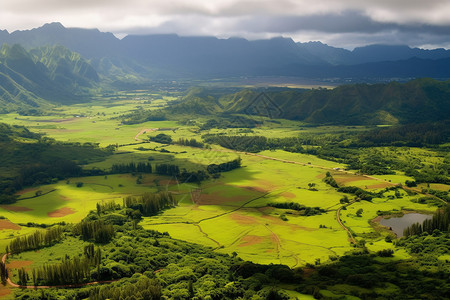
(352, 21)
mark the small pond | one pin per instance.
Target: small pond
(399, 223)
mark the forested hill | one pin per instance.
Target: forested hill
(28, 79)
(417, 101)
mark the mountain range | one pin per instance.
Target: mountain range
(53, 64)
(172, 56)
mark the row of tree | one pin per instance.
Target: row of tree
(68, 271)
(439, 221)
(359, 192)
(224, 167)
(329, 179)
(96, 230)
(189, 142)
(150, 204)
(183, 175)
(304, 210)
(36, 240)
(131, 167)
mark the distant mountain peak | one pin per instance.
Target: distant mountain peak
(53, 25)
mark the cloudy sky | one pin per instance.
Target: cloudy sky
(341, 23)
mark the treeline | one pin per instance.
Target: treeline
(410, 135)
(230, 122)
(174, 171)
(358, 192)
(224, 167)
(329, 179)
(69, 271)
(440, 221)
(150, 204)
(189, 142)
(439, 174)
(35, 241)
(96, 230)
(304, 210)
(141, 116)
(183, 175)
(131, 167)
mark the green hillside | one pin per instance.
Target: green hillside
(421, 100)
(30, 80)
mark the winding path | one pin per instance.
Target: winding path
(146, 130)
(338, 218)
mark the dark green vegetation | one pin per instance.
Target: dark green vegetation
(31, 159)
(149, 204)
(302, 209)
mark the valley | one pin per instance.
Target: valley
(301, 195)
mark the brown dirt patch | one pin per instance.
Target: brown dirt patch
(380, 185)
(266, 184)
(167, 182)
(62, 212)
(216, 198)
(343, 179)
(4, 290)
(320, 176)
(144, 131)
(288, 195)
(15, 208)
(377, 219)
(266, 209)
(250, 240)
(65, 198)
(17, 264)
(7, 224)
(26, 191)
(254, 189)
(243, 220)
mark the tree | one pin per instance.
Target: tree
(359, 212)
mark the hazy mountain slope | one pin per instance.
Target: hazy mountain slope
(371, 53)
(51, 73)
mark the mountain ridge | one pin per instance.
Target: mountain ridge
(173, 56)
(34, 79)
(417, 101)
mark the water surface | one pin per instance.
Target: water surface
(399, 223)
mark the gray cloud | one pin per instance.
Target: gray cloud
(343, 22)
